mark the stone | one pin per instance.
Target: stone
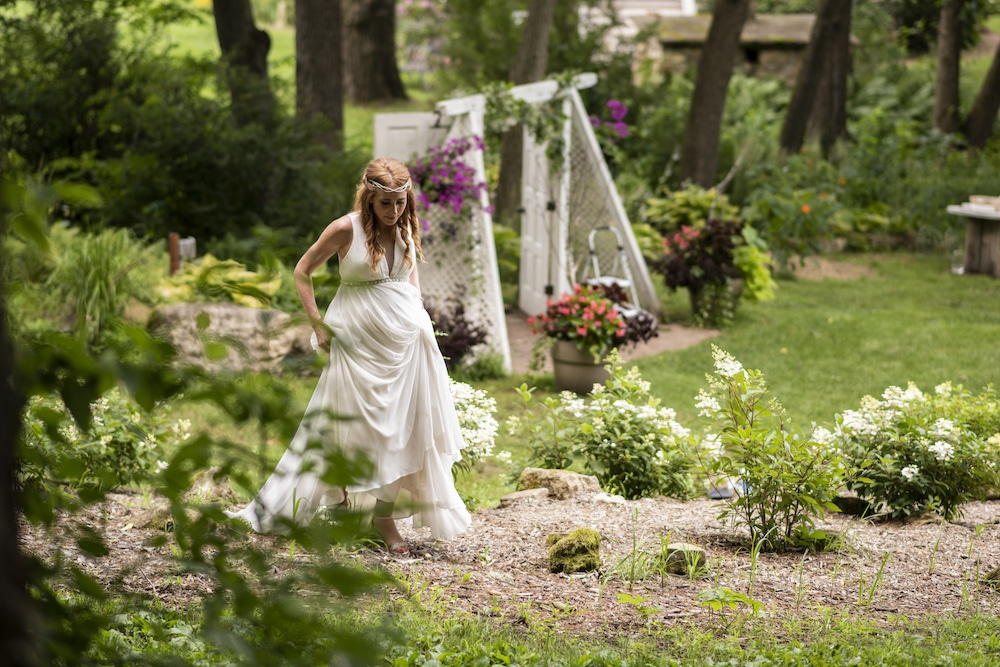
(578, 551)
(254, 338)
(683, 558)
(522, 496)
(562, 484)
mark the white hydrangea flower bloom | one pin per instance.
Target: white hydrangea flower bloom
(942, 450)
(707, 404)
(910, 473)
(823, 436)
(858, 423)
(943, 428)
(943, 390)
(725, 364)
(503, 457)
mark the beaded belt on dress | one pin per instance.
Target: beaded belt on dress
(362, 283)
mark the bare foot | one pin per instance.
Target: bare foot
(386, 528)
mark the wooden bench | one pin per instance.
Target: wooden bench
(982, 239)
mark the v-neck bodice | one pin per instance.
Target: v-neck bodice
(355, 266)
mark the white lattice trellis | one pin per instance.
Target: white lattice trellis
(462, 261)
(559, 212)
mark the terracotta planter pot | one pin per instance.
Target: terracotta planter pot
(575, 370)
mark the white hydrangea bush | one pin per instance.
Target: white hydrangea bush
(476, 411)
(918, 452)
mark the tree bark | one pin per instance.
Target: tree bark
(982, 117)
(15, 603)
(829, 113)
(949, 51)
(369, 52)
(700, 151)
(810, 75)
(530, 64)
(244, 49)
(319, 67)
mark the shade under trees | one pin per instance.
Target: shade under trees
(529, 65)
(319, 89)
(371, 73)
(244, 48)
(700, 150)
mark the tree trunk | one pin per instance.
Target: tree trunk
(369, 52)
(15, 604)
(807, 82)
(829, 113)
(700, 151)
(949, 52)
(983, 116)
(244, 49)
(319, 68)
(530, 64)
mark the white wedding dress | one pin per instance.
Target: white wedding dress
(388, 384)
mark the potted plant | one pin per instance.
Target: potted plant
(580, 329)
(718, 263)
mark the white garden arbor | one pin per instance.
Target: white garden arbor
(560, 209)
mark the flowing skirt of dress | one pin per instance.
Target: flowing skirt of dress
(385, 393)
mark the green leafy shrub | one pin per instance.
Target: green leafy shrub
(918, 452)
(690, 207)
(212, 280)
(123, 445)
(788, 479)
(619, 432)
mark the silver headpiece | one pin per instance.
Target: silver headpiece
(386, 188)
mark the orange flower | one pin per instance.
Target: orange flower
(806, 209)
(842, 181)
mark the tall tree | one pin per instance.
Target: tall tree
(949, 52)
(369, 51)
(700, 150)
(530, 64)
(319, 69)
(829, 113)
(244, 48)
(983, 116)
(807, 82)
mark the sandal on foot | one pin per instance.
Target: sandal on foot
(398, 549)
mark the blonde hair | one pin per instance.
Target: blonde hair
(387, 174)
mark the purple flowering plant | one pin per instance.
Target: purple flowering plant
(614, 129)
(443, 178)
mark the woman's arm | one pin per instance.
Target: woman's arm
(335, 238)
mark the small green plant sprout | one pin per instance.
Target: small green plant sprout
(788, 479)
(722, 599)
(921, 452)
(867, 591)
(639, 602)
(547, 429)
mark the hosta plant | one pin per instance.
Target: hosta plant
(922, 452)
(788, 478)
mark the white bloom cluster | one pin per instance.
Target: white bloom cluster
(910, 473)
(823, 436)
(897, 398)
(943, 390)
(942, 450)
(944, 428)
(707, 404)
(475, 409)
(854, 422)
(725, 364)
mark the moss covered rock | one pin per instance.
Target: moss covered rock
(578, 551)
